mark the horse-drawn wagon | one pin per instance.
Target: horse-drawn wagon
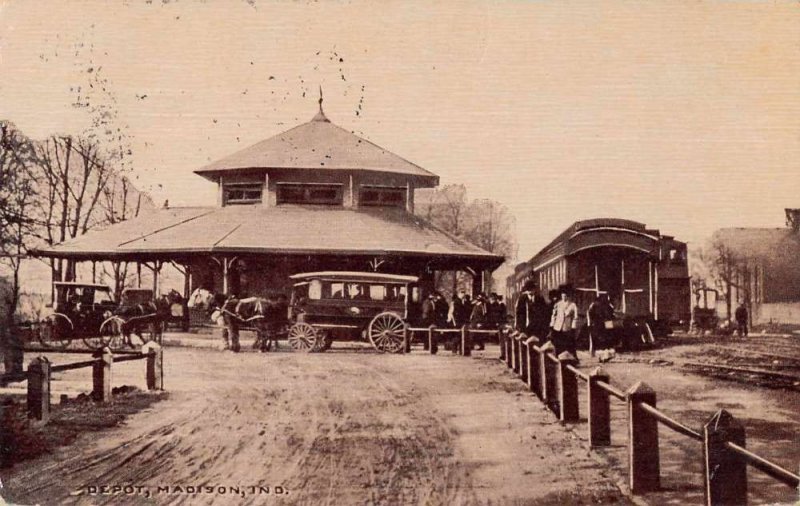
(328, 306)
(87, 312)
(77, 314)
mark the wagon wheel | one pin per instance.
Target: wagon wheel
(108, 334)
(112, 329)
(303, 337)
(387, 332)
(59, 329)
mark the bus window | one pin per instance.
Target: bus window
(315, 289)
(377, 292)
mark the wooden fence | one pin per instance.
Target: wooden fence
(554, 379)
(433, 334)
(40, 371)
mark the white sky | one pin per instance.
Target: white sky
(682, 115)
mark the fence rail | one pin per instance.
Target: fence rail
(40, 370)
(553, 378)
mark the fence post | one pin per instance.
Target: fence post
(501, 340)
(407, 337)
(643, 457)
(39, 389)
(433, 346)
(567, 388)
(509, 349)
(155, 365)
(101, 375)
(546, 380)
(599, 410)
(466, 341)
(533, 363)
(523, 357)
(725, 475)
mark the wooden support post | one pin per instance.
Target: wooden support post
(567, 388)
(509, 349)
(155, 366)
(407, 336)
(466, 341)
(523, 358)
(643, 456)
(39, 389)
(138, 274)
(547, 390)
(433, 345)
(599, 410)
(515, 350)
(533, 364)
(501, 340)
(725, 475)
(101, 375)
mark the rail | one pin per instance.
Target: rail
(40, 370)
(553, 377)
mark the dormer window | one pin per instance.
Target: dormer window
(242, 193)
(383, 196)
(309, 193)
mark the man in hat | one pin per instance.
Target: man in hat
(532, 313)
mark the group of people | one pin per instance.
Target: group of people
(554, 318)
(484, 312)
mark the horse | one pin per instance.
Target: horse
(134, 318)
(266, 316)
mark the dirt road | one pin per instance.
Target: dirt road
(343, 427)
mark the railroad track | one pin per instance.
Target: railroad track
(763, 377)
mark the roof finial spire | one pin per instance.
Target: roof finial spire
(320, 115)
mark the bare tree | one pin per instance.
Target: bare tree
(16, 198)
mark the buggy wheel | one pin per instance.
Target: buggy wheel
(60, 330)
(303, 337)
(112, 330)
(387, 332)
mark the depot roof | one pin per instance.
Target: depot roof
(321, 146)
(286, 229)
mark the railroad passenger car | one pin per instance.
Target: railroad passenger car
(645, 274)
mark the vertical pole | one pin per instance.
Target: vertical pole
(101, 375)
(155, 365)
(643, 456)
(510, 349)
(501, 340)
(545, 387)
(94, 271)
(655, 294)
(407, 336)
(138, 274)
(530, 358)
(533, 363)
(466, 341)
(39, 389)
(523, 358)
(622, 287)
(725, 475)
(225, 276)
(599, 410)
(433, 346)
(567, 388)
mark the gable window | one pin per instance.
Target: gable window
(243, 193)
(306, 193)
(384, 196)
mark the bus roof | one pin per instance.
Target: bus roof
(354, 276)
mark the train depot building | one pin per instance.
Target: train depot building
(314, 198)
(644, 273)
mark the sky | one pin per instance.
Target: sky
(681, 115)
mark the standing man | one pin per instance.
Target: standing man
(742, 318)
(563, 323)
(442, 309)
(601, 316)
